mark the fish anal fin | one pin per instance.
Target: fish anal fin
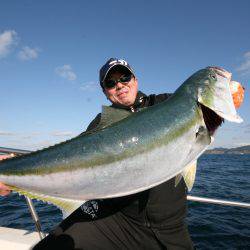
(67, 206)
(178, 179)
(188, 175)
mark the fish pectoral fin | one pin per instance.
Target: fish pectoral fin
(188, 175)
(112, 115)
(67, 206)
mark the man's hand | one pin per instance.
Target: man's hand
(3, 157)
(4, 190)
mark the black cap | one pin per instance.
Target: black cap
(111, 63)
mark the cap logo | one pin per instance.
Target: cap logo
(122, 62)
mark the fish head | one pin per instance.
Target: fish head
(214, 93)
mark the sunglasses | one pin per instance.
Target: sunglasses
(109, 84)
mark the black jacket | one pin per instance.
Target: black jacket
(161, 206)
(152, 219)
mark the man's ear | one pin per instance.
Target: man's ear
(136, 81)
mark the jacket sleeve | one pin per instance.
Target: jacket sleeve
(154, 99)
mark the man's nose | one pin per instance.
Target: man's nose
(119, 85)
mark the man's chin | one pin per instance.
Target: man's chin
(125, 102)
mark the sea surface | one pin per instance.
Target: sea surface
(211, 226)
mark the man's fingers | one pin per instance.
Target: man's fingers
(4, 190)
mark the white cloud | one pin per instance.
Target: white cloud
(5, 133)
(8, 39)
(66, 72)
(28, 53)
(244, 68)
(30, 135)
(89, 86)
(30, 145)
(62, 133)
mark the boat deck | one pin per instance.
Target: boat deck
(13, 239)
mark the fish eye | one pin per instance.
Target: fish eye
(213, 76)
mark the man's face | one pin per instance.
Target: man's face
(122, 93)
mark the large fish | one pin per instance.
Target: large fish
(129, 152)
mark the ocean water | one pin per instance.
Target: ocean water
(211, 226)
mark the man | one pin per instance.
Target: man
(153, 219)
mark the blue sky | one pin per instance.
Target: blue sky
(51, 52)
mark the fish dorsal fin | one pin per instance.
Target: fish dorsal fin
(67, 206)
(188, 175)
(112, 115)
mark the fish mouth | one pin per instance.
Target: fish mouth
(211, 119)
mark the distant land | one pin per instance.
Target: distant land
(238, 150)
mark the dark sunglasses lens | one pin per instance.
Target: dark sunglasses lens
(109, 84)
(125, 78)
